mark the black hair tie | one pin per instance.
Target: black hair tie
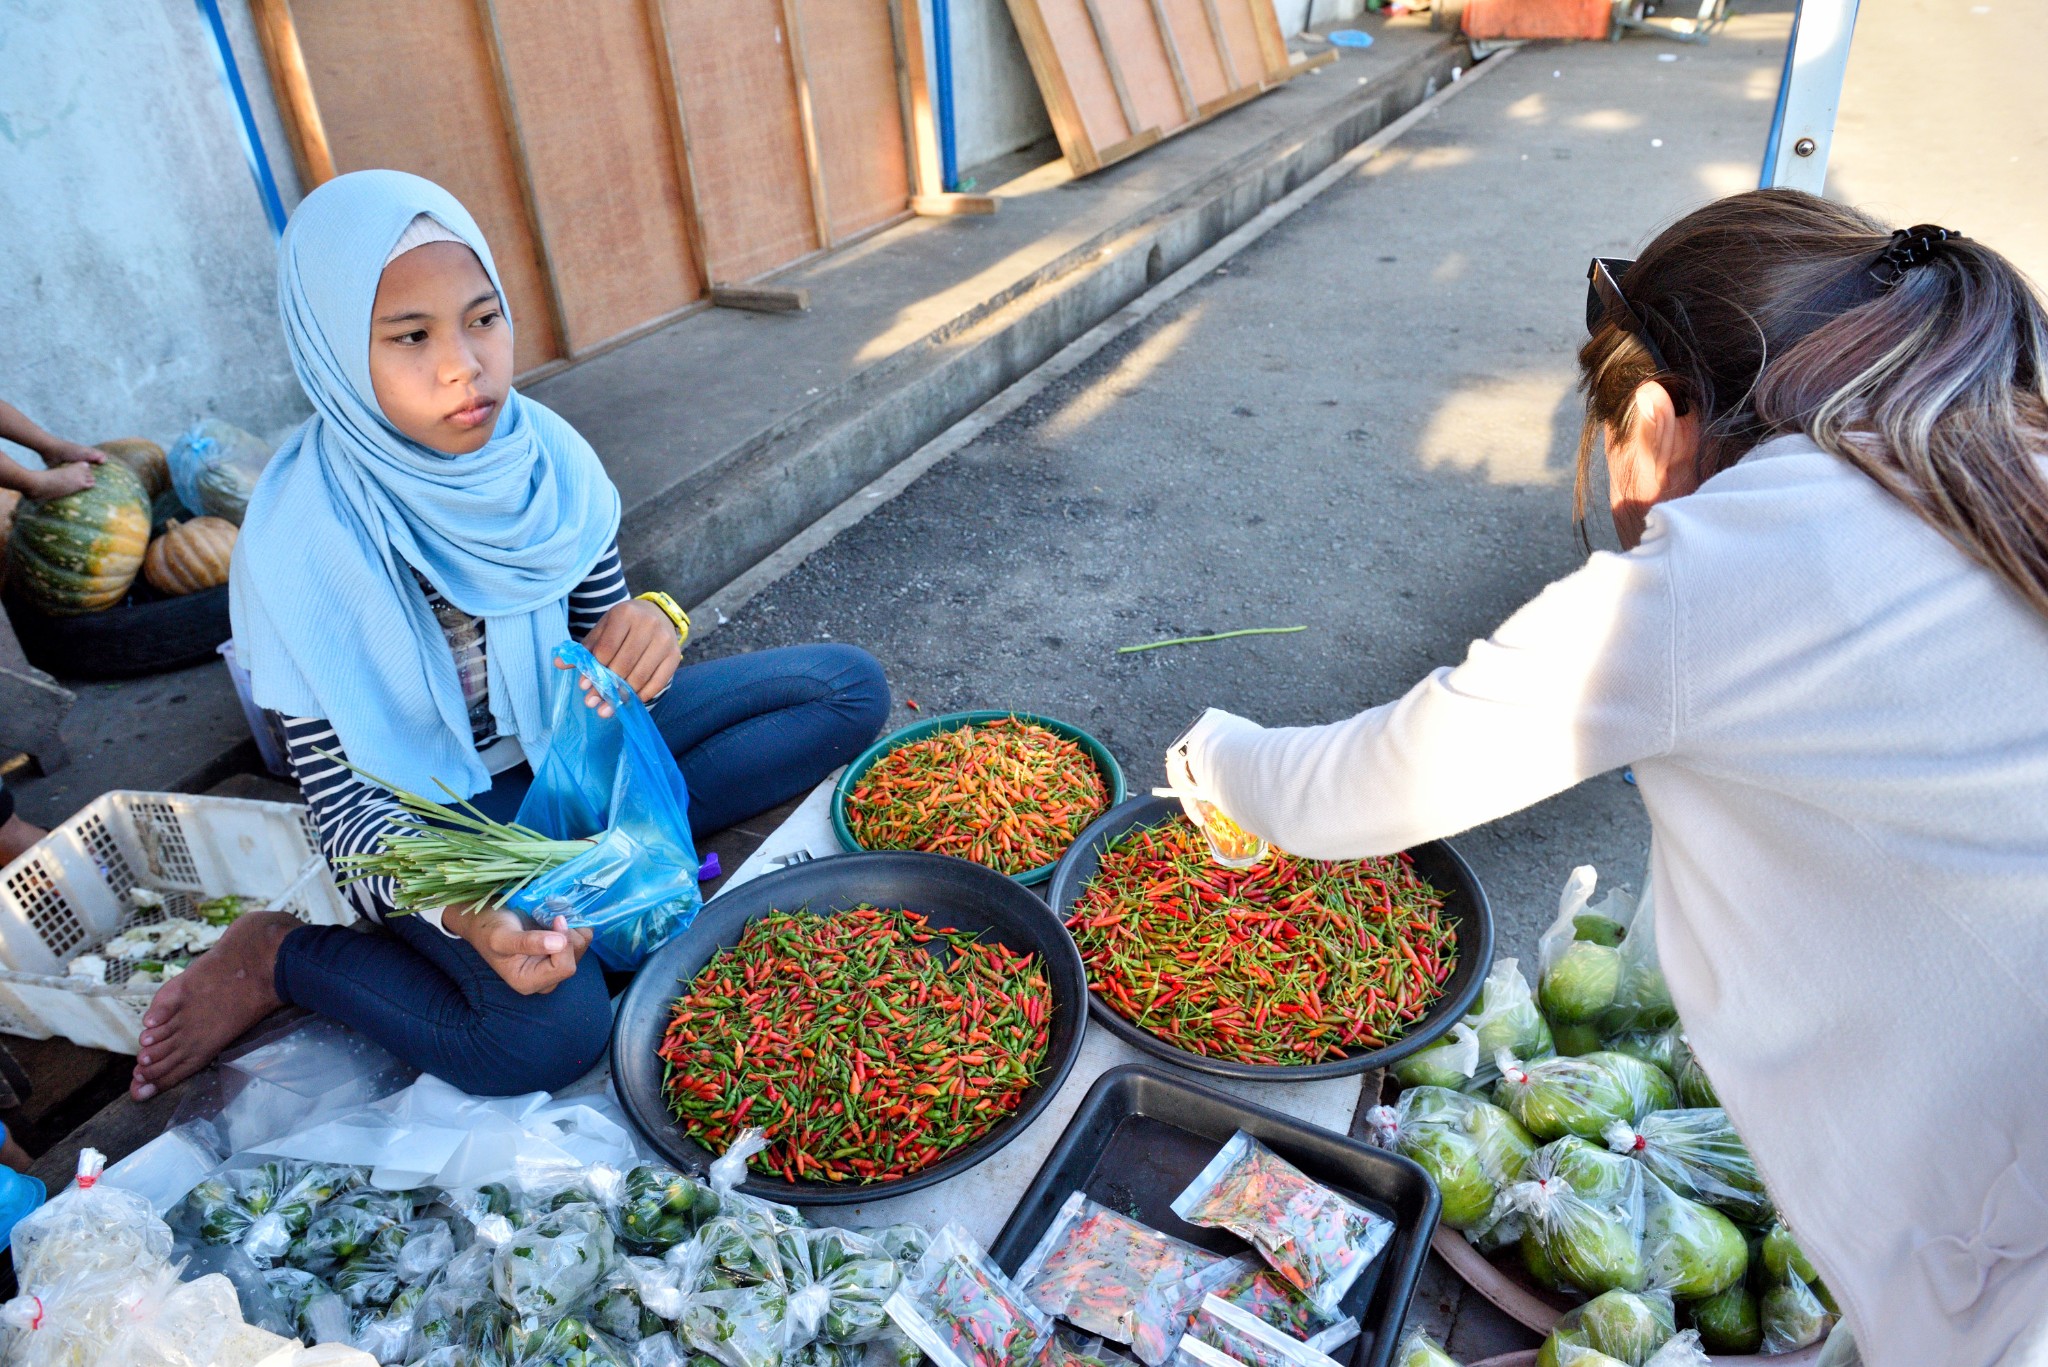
(1909, 247)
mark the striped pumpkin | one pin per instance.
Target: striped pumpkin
(145, 458)
(189, 556)
(77, 554)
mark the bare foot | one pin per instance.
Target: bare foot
(13, 1154)
(16, 836)
(201, 1011)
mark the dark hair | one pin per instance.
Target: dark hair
(1776, 315)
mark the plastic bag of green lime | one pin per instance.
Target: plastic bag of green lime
(1418, 1349)
(1625, 1325)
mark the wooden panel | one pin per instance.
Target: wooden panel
(1246, 31)
(746, 146)
(1198, 53)
(1071, 34)
(407, 84)
(598, 147)
(858, 107)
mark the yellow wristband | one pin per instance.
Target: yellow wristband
(671, 610)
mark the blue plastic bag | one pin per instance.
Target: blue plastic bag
(612, 778)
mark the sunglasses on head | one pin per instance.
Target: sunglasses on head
(1606, 303)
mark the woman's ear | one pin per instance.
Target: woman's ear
(1670, 438)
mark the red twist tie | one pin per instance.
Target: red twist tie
(37, 1322)
(1641, 1144)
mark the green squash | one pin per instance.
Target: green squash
(77, 554)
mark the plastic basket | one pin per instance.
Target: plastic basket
(68, 895)
(264, 726)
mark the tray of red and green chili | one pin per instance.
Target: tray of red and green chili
(1291, 969)
(1010, 790)
(964, 1007)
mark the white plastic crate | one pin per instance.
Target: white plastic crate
(69, 895)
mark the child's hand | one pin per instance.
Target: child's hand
(58, 481)
(72, 452)
(637, 642)
(530, 961)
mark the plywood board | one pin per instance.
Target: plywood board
(599, 149)
(408, 84)
(733, 75)
(850, 57)
(1118, 75)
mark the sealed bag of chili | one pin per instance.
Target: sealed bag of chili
(1251, 1286)
(1092, 1267)
(963, 1312)
(1246, 1338)
(1316, 1239)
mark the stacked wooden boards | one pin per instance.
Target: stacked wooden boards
(628, 159)
(1119, 75)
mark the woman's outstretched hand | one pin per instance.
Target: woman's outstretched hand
(530, 961)
(637, 642)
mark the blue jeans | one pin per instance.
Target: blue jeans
(748, 731)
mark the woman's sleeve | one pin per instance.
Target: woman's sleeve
(349, 811)
(603, 589)
(1578, 682)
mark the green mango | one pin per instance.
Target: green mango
(1691, 1250)
(1575, 1040)
(1783, 1256)
(1599, 929)
(1596, 1174)
(1504, 1146)
(1453, 1160)
(1581, 984)
(1625, 1325)
(1728, 1323)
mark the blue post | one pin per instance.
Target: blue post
(252, 142)
(942, 61)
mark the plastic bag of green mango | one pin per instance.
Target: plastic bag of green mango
(1792, 1317)
(1506, 1018)
(1698, 1155)
(1554, 1097)
(1418, 1349)
(1689, 1249)
(1695, 1089)
(1728, 1323)
(1625, 1325)
(1577, 975)
(1576, 1242)
(1598, 1175)
(1642, 999)
(1658, 1048)
(1470, 1147)
(1449, 1062)
(660, 1207)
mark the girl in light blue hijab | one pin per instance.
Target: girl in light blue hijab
(410, 559)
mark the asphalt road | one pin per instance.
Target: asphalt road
(1363, 424)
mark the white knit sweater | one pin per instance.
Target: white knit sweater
(1840, 728)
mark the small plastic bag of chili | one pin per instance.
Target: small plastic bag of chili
(1222, 1326)
(1068, 1349)
(963, 1312)
(1316, 1239)
(1093, 1265)
(1257, 1290)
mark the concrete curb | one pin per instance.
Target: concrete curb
(706, 531)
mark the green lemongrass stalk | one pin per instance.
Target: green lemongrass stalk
(1217, 636)
(453, 855)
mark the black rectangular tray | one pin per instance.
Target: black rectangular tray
(1140, 1136)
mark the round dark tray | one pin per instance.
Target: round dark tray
(954, 893)
(1464, 904)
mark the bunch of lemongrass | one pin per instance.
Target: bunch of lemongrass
(454, 855)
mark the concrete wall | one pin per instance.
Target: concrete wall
(1291, 12)
(138, 274)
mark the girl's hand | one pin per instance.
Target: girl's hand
(530, 961)
(637, 642)
(72, 452)
(58, 480)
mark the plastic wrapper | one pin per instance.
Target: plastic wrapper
(1642, 999)
(1245, 1338)
(660, 1208)
(1558, 1096)
(226, 1207)
(1622, 1324)
(1472, 1148)
(614, 781)
(1698, 1155)
(566, 1342)
(839, 1282)
(620, 1308)
(397, 1256)
(385, 1333)
(1689, 1249)
(742, 1327)
(1682, 1349)
(1318, 1240)
(1093, 1265)
(1449, 1062)
(1728, 1323)
(215, 466)
(338, 1235)
(552, 1266)
(306, 1187)
(1254, 1288)
(963, 1312)
(1791, 1316)
(1583, 1218)
(87, 1227)
(1695, 1088)
(905, 1243)
(1784, 1258)
(1658, 1048)
(1418, 1349)
(1066, 1349)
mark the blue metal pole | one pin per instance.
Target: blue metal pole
(942, 62)
(252, 142)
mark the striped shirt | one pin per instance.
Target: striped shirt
(352, 813)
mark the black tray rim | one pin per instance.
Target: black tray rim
(1406, 1253)
(658, 978)
(1435, 1023)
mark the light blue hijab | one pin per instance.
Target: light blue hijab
(329, 620)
